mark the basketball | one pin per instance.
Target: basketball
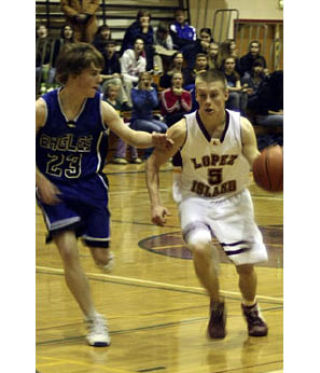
(268, 169)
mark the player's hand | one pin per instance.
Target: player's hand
(161, 141)
(48, 192)
(159, 215)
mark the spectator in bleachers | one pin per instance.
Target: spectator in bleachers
(44, 55)
(182, 33)
(142, 29)
(175, 101)
(111, 73)
(201, 63)
(247, 60)
(102, 35)
(80, 14)
(144, 100)
(253, 81)
(132, 63)
(228, 48)
(163, 46)
(270, 96)
(175, 66)
(201, 45)
(269, 111)
(111, 96)
(213, 55)
(237, 94)
(66, 37)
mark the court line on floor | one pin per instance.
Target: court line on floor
(164, 285)
(143, 328)
(91, 365)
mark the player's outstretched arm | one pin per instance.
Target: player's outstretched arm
(249, 141)
(158, 212)
(139, 139)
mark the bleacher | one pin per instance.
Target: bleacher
(118, 15)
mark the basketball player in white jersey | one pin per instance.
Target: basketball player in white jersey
(218, 148)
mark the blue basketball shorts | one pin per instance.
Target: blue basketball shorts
(83, 208)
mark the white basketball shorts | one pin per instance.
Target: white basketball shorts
(230, 221)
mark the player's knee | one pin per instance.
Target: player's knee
(199, 242)
(69, 254)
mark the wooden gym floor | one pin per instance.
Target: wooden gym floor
(156, 309)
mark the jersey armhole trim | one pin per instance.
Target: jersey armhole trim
(106, 129)
(185, 139)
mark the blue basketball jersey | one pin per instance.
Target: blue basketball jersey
(72, 150)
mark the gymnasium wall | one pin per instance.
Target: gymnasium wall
(249, 9)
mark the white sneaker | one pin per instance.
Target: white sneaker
(107, 268)
(98, 335)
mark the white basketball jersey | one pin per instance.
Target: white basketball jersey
(212, 167)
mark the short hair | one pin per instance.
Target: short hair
(206, 30)
(76, 58)
(211, 75)
(143, 13)
(256, 42)
(258, 62)
(179, 11)
(201, 55)
(145, 73)
(138, 38)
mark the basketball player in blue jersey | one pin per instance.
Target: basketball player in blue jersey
(218, 148)
(72, 132)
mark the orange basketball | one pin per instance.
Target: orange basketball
(268, 169)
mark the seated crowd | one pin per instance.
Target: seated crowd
(153, 75)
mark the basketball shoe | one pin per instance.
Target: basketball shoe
(217, 321)
(98, 335)
(256, 325)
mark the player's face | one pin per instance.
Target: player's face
(211, 98)
(87, 83)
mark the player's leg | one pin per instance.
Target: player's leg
(103, 258)
(206, 268)
(243, 244)
(79, 286)
(250, 308)
(247, 282)
(198, 237)
(75, 277)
